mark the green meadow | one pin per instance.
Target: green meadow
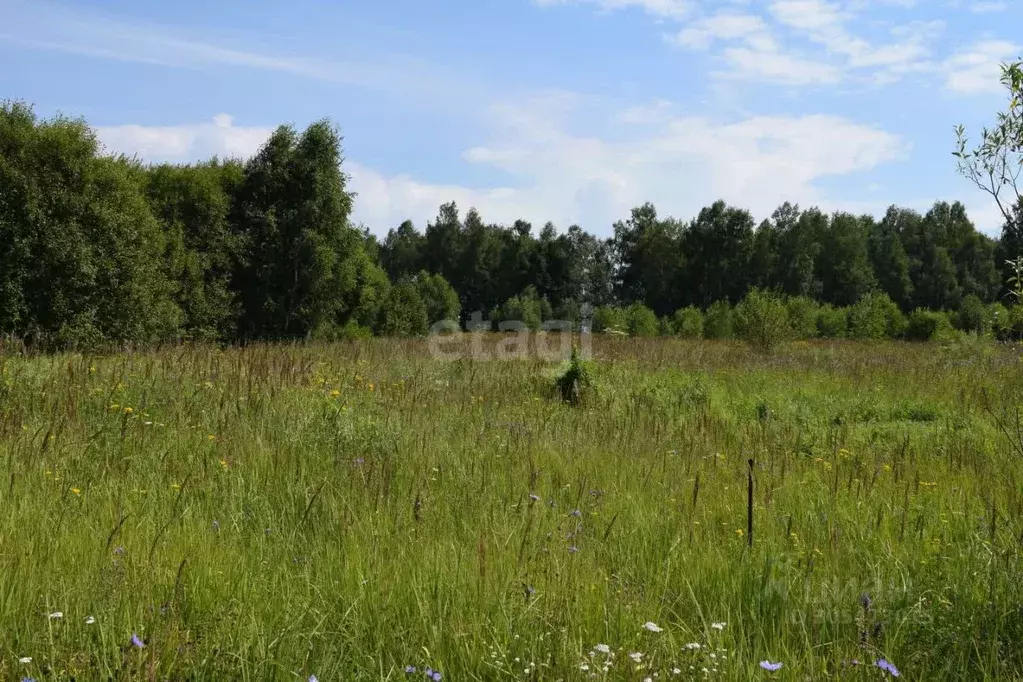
(348, 510)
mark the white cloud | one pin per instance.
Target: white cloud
(975, 70)
(184, 142)
(702, 33)
(665, 9)
(681, 163)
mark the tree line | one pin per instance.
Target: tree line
(99, 249)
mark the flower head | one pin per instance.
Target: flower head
(718, 626)
(887, 667)
(603, 648)
(89, 620)
(767, 665)
(313, 678)
(137, 641)
(636, 656)
(25, 659)
(56, 615)
(652, 627)
(409, 669)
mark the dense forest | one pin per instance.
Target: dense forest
(99, 249)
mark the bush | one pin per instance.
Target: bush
(832, 322)
(762, 320)
(719, 321)
(608, 318)
(1000, 320)
(688, 323)
(439, 297)
(641, 320)
(575, 381)
(973, 315)
(876, 316)
(802, 313)
(928, 325)
(526, 308)
(403, 312)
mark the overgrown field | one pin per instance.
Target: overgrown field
(346, 511)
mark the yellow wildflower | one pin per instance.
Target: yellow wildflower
(335, 393)
(128, 410)
(76, 491)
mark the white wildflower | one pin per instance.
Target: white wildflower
(89, 620)
(652, 627)
(25, 659)
(636, 656)
(56, 614)
(603, 648)
(718, 626)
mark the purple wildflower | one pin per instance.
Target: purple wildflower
(887, 667)
(772, 667)
(409, 669)
(359, 460)
(576, 513)
(137, 641)
(436, 676)
(313, 678)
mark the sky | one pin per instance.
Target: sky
(570, 111)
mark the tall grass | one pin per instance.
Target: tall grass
(345, 511)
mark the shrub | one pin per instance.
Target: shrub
(928, 325)
(641, 320)
(719, 321)
(403, 312)
(876, 316)
(802, 313)
(439, 297)
(688, 323)
(762, 320)
(1000, 320)
(575, 381)
(832, 322)
(608, 318)
(973, 315)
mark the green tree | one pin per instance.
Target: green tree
(719, 321)
(81, 254)
(194, 206)
(844, 263)
(876, 316)
(304, 264)
(439, 297)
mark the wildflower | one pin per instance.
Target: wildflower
(718, 626)
(119, 550)
(652, 627)
(335, 393)
(603, 648)
(693, 646)
(359, 460)
(76, 491)
(675, 671)
(313, 678)
(137, 641)
(175, 486)
(211, 437)
(89, 620)
(584, 667)
(216, 525)
(636, 656)
(128, 410)
(887, 667)
(772, 667)
(535, 498)
(25, 659)
(576, 513)
(28, 679)
(740, 532)
(223, 464)
(433, 674)
(56, 615)
(409, 669)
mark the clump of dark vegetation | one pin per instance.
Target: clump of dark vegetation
(574, 383)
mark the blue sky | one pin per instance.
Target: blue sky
(565, 110)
